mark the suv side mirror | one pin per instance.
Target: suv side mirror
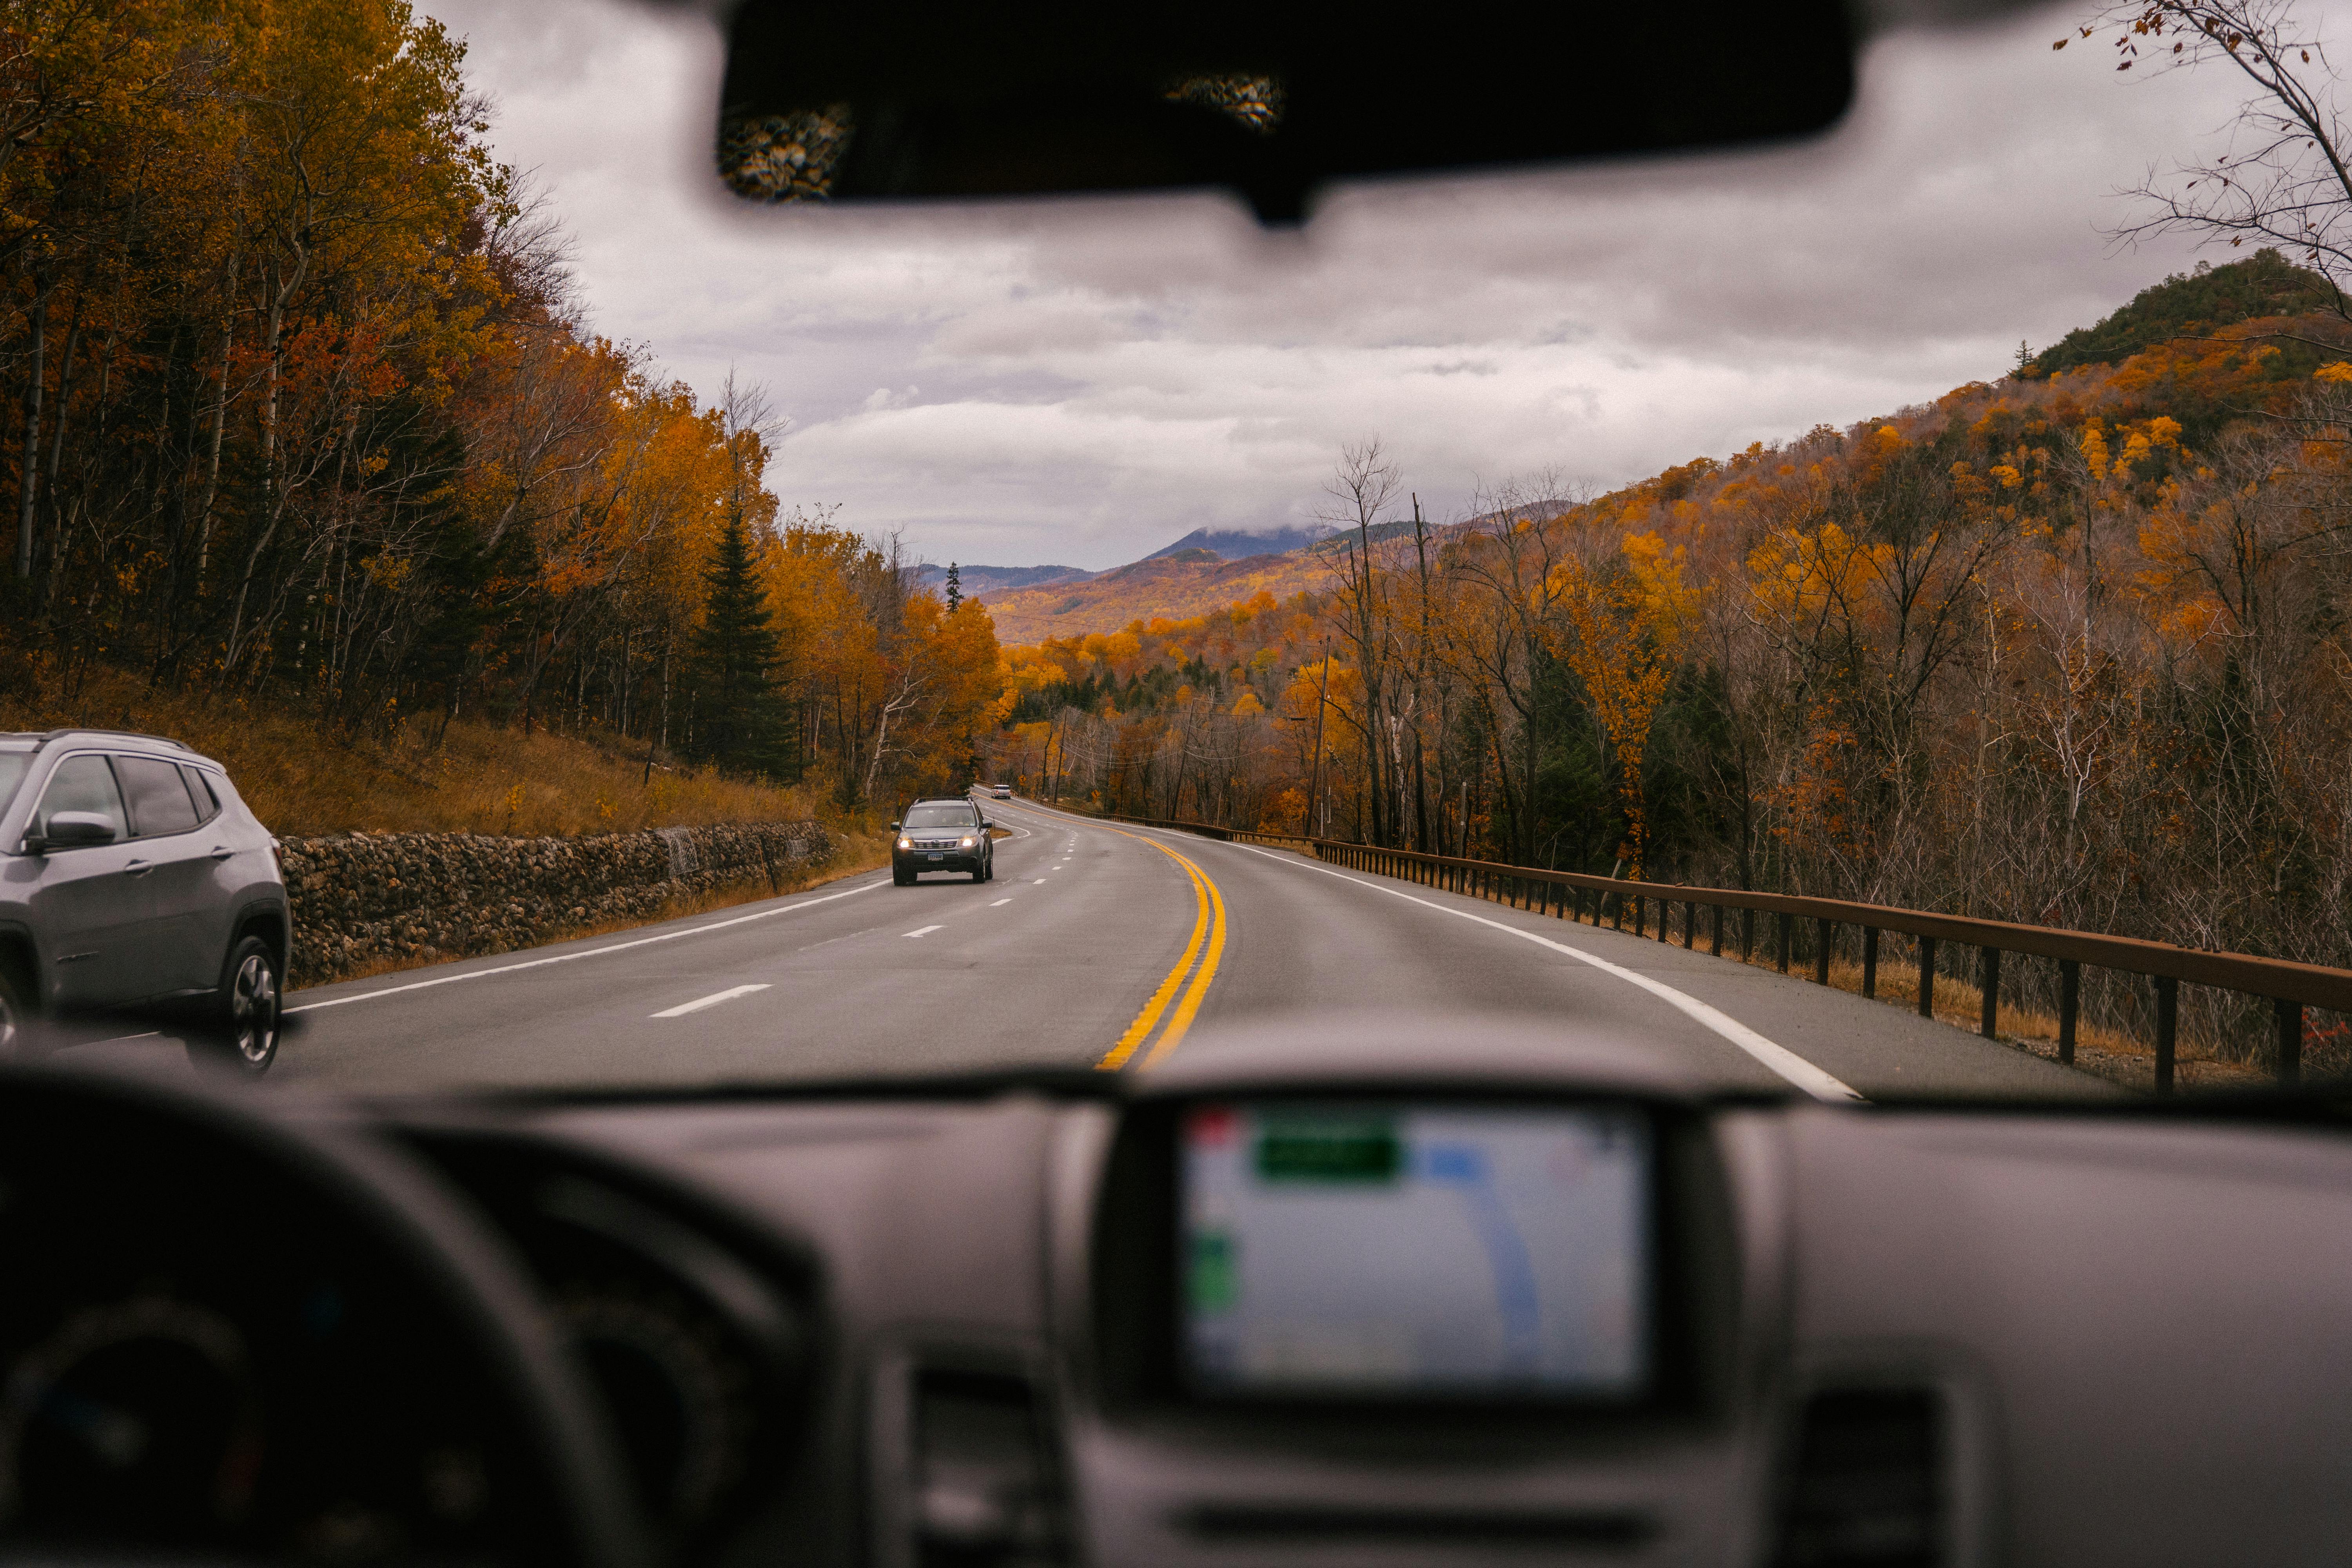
(894, 824)
(73, 830)
(987, 827)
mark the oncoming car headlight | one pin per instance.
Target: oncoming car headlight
(905, 842)
(969, 839)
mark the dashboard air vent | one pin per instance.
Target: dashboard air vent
(988, 1486)
(1868, 1491)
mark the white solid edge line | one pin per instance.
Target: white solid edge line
(1777, 1057)
(699, 1003)
(925, 931)
(568, 957)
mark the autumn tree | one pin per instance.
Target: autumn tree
(1362, 485)
(740, 719)
(1621, 628)
(2279, 176)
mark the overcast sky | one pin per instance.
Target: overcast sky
(1082, 383)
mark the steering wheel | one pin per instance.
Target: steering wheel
(250, 1335)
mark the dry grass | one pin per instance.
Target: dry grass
(301, 780)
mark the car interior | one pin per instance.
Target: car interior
(1508, 1298)
(1317, 1290)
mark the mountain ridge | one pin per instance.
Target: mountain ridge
(1240, 544)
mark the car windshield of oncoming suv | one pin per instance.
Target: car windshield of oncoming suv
(938, 815)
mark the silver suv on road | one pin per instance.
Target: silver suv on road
(133, 876)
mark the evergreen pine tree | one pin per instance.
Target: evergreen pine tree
(955, 588)
(740, 720)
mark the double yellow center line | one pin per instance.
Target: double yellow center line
(1207, 945)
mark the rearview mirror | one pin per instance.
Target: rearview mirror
(75, 830)
(840, 102)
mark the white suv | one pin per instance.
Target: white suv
(130, 874)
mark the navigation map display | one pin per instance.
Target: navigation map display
(1394, 1251)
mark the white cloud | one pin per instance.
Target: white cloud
(1083, 382)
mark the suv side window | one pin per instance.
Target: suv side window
(200, 790)
(82, 784)
(159, 796)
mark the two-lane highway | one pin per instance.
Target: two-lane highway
(1098, 944)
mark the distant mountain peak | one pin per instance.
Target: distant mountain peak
(1238, 545)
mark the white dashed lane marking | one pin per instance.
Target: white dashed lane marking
(1000, 903)
(924, 931)
(578, 953)
(699, 1003)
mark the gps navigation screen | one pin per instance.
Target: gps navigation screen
(1371, 1250)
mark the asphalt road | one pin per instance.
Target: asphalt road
(1097, 944)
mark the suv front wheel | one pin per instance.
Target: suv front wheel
(244, 1030)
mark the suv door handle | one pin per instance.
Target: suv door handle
(222, 851)
(137, 868)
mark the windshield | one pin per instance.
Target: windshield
(1671, 598)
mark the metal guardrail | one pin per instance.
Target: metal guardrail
(2292, 987)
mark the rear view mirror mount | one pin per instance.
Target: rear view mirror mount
(845, 103)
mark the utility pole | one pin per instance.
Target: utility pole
(1322, 695)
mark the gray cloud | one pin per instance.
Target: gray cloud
(1082, 382)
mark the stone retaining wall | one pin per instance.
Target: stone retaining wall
(364, 899)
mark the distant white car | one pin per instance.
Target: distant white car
(1001, 791)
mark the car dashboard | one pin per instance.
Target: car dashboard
(1304, 1296)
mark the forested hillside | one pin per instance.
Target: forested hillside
(2187, 304)
(301, 412)
(1194, 582)
(2072, 649)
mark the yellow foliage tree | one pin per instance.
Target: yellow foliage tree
(1621, 631)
